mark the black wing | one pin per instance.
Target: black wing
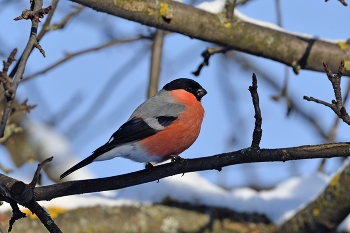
(166, 120)
(134, 129)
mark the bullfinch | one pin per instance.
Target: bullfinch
(159, 129)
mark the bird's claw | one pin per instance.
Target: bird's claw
(176, 159)
(149, 166)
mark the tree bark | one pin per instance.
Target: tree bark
(299, 52)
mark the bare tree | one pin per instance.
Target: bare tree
(230, 33)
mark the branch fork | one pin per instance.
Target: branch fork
(336, 105)
(36, 15)
(17, 192)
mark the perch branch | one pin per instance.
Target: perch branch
(214, 162)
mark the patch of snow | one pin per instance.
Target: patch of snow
(212, 7)
(218, 6)
(277, 203)
(53, 144)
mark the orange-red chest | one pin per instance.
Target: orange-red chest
(182, 133)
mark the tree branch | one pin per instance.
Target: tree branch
(341, 1)
(156, 60)
(22, 63)
(81, 52)
(325, 213)
(17, 192)
(215, 162)
(230, 7)
(337, 105)
(291, 105)
(37, 172)
(257, 134)
(293, 50)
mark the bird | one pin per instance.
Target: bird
(159, 129)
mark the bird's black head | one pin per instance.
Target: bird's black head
(188, 85)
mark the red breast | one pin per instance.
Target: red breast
(182, 133)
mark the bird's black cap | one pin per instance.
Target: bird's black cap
(187, 84)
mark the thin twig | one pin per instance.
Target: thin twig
(334, 129)
(278, 13)
(4, 79)
(16, 214)
(337, 105)
(310, 118)
(206, 54)
(40, 35)
(37, 172)
(317, 101)
(230, 7)
(284, 91)
(242, 2)
(24, 106)
(72, 55)
(257, 134)
(34, 15)
(47, 21)
(156, 60)
(341, 1)
(21, 67)
(66, 19)
(43, 216)
(75, 128)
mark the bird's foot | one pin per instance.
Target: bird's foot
(177, 159)
(149, 166)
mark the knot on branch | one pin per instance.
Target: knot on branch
(21, 192)
(29, 14)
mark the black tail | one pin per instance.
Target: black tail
(79, 165)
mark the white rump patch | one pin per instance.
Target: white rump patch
(130, 150)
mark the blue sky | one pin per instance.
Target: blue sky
(229, 111)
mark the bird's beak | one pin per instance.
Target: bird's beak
(201, 92)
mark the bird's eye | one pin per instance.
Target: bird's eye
(189, 89)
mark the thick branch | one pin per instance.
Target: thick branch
(14, 191)
(190, 165)
(326, 212)
(295, 51)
